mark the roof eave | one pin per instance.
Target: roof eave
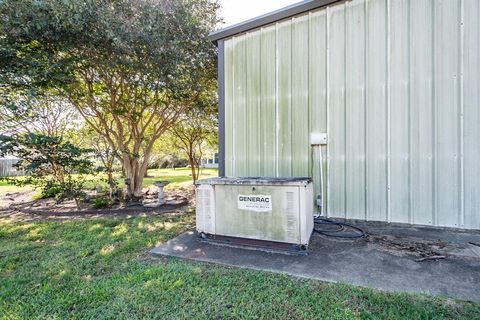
(292, 10)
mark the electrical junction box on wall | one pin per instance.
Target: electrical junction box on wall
(273, 213)
(318, 138)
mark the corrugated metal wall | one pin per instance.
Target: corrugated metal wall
(395, 83)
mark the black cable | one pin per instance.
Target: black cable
(340, 230)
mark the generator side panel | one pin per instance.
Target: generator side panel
(277, 221)
(205, 212)
(306, 213)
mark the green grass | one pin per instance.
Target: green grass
(7, 187)
(177, 177)
(97, 269)
(12, 188)
(4, 183)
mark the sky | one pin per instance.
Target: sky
(235, 11)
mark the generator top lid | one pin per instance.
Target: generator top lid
(266, 181)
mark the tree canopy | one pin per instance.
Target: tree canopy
(130, 67)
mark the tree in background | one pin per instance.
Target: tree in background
(197, 127)
(163, 148)
(191, 135)
(130, 67)
(104, 153)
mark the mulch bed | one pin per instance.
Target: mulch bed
(116, 211)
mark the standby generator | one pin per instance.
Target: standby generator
(267, 213)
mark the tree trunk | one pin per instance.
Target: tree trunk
(198, 167)
(199, 159)
(77, 203)
(135, 172)
(193, 168)
(111, 183)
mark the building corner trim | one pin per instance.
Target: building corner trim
(221, 107)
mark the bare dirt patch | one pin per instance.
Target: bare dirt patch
(20, 206)
(16, 197)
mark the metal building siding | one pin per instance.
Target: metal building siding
(355, 169)
(395, 83)
(471, 110)
(268, 101)
(317, 84)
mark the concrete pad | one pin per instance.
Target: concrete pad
(361, 262)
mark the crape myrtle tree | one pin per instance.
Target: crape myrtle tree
(130, 67)
(192, 134)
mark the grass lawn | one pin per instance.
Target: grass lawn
(98, 269)
(6, 187)
(177, 177)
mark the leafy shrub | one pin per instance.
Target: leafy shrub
(50, 190)
(72, 188)
(101, 202)
(56, 166)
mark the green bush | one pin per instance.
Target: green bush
(56, 166)
(51, 190)
(99, 203)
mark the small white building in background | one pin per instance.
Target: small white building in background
(210, 160)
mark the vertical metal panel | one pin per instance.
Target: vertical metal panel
(376, 65)
(400, 110)
(300, 128)
(284, 94)
(355, 110)
(336, 109)
(268, 100)
(421, 109)
(230, 127)
(447, 133)
(395, 83)
(318, 87)
(253, 132)
(471, 94)
(240, 107)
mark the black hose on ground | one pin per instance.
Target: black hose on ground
(337, 229)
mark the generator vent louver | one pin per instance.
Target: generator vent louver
(291, 210)
(205, 213)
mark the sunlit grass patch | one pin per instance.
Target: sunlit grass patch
(178, 177)
(107, 249)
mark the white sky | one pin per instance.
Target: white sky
(235, 11)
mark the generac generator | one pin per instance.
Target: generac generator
(267, 213)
